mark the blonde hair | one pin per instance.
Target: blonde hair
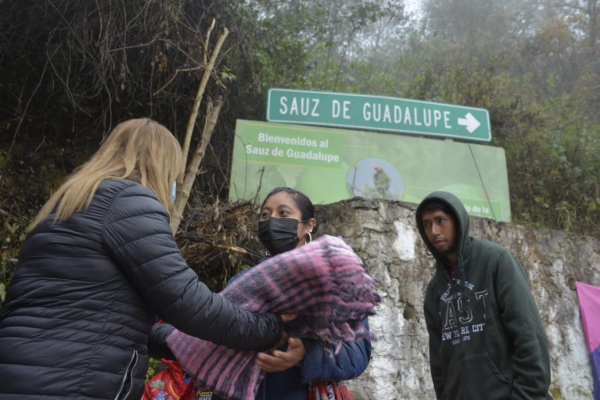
(140, 150)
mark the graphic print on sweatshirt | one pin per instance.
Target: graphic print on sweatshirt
(463, 314)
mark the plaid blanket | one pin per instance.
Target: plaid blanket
(323, 282)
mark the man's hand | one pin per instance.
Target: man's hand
(279, 361)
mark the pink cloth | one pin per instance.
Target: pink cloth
(589, 305)
(323, 282)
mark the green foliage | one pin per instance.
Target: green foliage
(73, 70)
(552, 147)
(12, 235)
(307, 44)
(154, 366)
(529, 70)
(554, 170)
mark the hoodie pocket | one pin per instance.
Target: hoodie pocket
(476, 377)
(127, 381)
(495, 370)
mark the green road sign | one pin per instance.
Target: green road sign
(378, 113)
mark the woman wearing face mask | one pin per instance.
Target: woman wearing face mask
(287, 221)
(97, 268)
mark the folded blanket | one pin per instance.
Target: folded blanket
(323, 282)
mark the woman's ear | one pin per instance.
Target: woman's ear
(311, 224)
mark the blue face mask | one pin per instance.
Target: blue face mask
(174, 192)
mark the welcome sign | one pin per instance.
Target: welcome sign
(329, 165)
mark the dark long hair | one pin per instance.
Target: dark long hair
(302, 201)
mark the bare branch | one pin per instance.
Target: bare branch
(212, 116)
(172, 78)
(18, 128)
(206, 41)
(199, 94)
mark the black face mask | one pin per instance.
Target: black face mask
(278, 235)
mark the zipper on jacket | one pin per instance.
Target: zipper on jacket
(128, 377)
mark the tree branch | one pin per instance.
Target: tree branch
(199, 94)
(212, 116)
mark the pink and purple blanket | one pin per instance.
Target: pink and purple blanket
(323, 282)
(589, 307)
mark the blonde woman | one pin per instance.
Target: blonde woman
(98, 267)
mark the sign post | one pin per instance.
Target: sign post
(379, 113)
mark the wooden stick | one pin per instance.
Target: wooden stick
(199, 94)
(212, 116)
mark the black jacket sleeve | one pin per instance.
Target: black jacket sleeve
(137, 235)
(519, 312)
(157, 345)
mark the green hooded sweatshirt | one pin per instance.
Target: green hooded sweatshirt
(486, 339)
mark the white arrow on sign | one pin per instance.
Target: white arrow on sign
(470, 122)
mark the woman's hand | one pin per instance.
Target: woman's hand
(279, 360)
(288, 317)
(284, 336)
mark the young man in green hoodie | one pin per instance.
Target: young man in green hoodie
(486, 338)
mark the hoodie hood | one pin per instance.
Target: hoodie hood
(461, 218)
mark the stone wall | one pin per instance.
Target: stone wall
(385, 236)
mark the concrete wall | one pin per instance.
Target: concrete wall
(385, 236)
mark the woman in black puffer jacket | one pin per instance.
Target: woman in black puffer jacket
(97, 269)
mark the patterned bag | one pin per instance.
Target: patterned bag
(170, 384)
(329, 391)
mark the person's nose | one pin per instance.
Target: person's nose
(435, 229)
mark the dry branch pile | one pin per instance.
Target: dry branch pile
(219, 239)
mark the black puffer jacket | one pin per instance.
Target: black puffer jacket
(87, 292)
